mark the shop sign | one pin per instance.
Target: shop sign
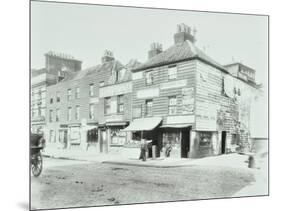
(173, 84)
(148, 93)
(180, 119)
(117, 89)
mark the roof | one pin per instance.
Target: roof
(176, 53)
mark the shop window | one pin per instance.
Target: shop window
(172, 105)
(117, 136)
(107, 105)
(149, 78)
(148, 107)
(120, 103)
(172, 73)
(51, 100)
(172, 138)
(205, 139)
(92, 136)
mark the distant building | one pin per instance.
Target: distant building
(183, 97)
(54, 70)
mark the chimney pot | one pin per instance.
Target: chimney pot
(183, 33)
(155, 48)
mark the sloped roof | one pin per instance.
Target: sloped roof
(178, 52)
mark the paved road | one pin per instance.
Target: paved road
(65, 183)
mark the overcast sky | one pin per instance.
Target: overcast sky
(85, 31)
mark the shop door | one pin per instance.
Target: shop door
(185, 141)
(223, 142)
(103, 144)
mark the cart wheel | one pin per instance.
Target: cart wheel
(37, 165)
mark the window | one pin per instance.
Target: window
(69, 94)
(148, 107)
(101, 83)
(58, 96)
(172, 73)
(120, 74)
(77, 112)
(120, 103)
(172, 105)
(51, 100)
(69, 109)
(149, 78)
(50, 115)
(77, 92)
(57, 115)
(205, 139)
(235, 139)
(39, 94)
(91, 90)
(91, 111)
(107, 105)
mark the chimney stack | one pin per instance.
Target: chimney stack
(184, 33)
(155, 48)
(107, 56)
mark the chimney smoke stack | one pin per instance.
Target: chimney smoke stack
(184, 33)
(155, 48)
(107, 56)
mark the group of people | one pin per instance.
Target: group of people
(144, 145)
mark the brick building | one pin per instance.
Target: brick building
(183, 97)
(55, 66)
(89, 107)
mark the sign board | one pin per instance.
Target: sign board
(137, 112)
(148, 93)
(187, 100)
(173, 84)
(206, 116)
(117, 89)
(180, 119)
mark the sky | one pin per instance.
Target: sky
(85, 31)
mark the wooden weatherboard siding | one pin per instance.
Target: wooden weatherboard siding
(162, 89)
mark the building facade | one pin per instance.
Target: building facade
(192, 102)
(56, 65)
(89, 108)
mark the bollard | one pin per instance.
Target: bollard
(252, 162)
(153, 152)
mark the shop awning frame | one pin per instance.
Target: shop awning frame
(176, 126)
(143, 124)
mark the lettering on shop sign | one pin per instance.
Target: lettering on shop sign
(173, 84)
(117, 89)
(114, 118)
(148, 93)
(180, 119)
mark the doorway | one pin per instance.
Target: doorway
(223, 142)
(185, 142)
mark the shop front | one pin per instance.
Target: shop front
(148, 129)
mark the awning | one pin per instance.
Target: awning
(144, 124)
(176, 125)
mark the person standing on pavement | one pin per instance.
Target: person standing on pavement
(143, 149)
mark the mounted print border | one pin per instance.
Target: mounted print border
(133, 105)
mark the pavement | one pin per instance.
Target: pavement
(130, 157)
